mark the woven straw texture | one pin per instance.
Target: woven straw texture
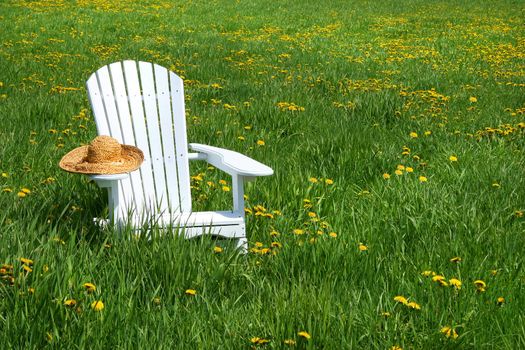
(103, 156)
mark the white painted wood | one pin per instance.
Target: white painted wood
(181, 142)
(140, 132)
(168, 141)
(232, 162)
(95, 99)
(153, 130)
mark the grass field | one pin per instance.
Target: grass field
(395, 217)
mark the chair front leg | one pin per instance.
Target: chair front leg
(238, 194)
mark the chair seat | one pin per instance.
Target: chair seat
(219, 223)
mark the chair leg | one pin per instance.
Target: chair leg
(242, 245)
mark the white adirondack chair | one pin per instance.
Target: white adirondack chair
(142, 104)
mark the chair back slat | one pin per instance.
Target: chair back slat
(167, 137)
(181, 142)
(142, 104)
(149, 96)
(128, 136)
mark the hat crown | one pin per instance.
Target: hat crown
(104, 149)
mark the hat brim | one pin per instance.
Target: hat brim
(74, 162)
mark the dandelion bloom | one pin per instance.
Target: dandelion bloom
(423, 179)
(413, 305)
(217, 249)
(21, 194)
(449, 332)
(304, 334)
(473, 99)
(333, 234)
(500, 301)
(453, 158)
(480, 285)
(259, 341)
(455, 259)
(396, 347)
(260, 143)
(329, 181)
(409, 169)
(427, 273)
(313, 180)
(428, 133)
(455, 283)
(25, 261)
(190, 292)
(90, 287)
(362, 247)
(27, 268)
(97, 305)
(298, 231)
(70, 302)
(225, 188)
(401, 299)
(386, 176)
(398, 172)
(290, 342)
(413, 134)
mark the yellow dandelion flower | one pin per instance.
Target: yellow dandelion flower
(25, 190)
(333, 234)
(453, 158)
(427, 273)
(304, 334)
(27, 268)
(276, 245)
(313, 180)
(225, 188)
(260, 143)
(26, 261)
(217, 249)
(259, 341)
(289, 342)
(400, 167)
(413, 134)
(190, 292)
(241, 138)
(21, 194)
(156, 300)
(500, 301)
(422, 179)
(362, 247)
(455, 259)
(90, 287)
(312, 214)
(329, 181)
(70, 302)
(449, 332)
(401, 299)
(5, 175)
(7, 189)
(398, 172)
(413, 305)
(409, 169)
(97, 305)
(427, 133)
(481, 286)
(386, 176)
(473, 99)
(438, 278)
(386, 314)
(455, 283)
(396, 347)
(298, 231)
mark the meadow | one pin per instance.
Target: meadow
(396, 215)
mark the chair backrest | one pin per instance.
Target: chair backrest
(142, 104)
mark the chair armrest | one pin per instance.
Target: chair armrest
(108, 180)
(232, 162)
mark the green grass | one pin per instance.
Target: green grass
(368, 74)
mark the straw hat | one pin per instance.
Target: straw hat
(104, 155)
